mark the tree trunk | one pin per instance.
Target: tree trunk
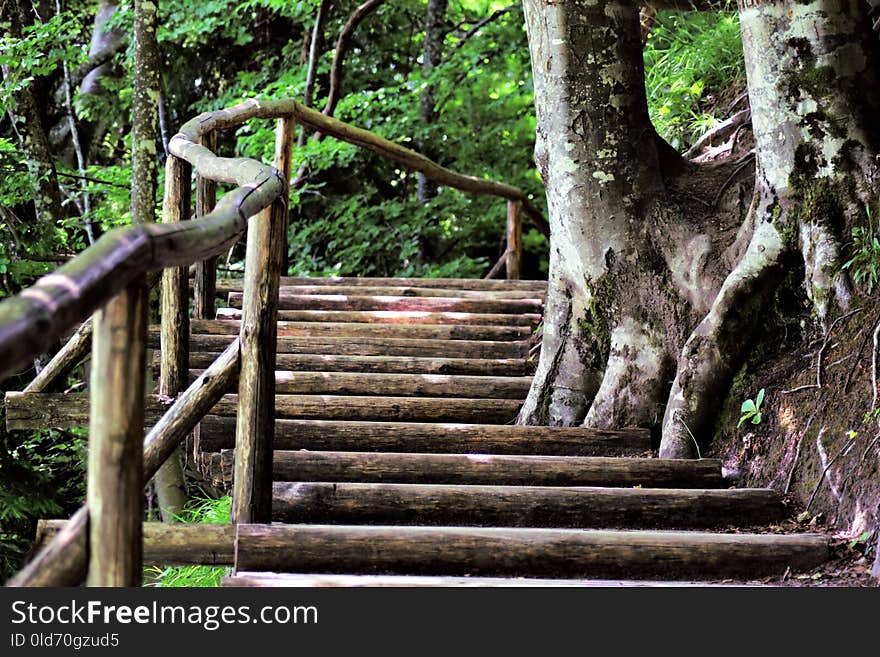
(27, 122)
(435, 34)
(813, 92)
(644, 285)
(169, 480)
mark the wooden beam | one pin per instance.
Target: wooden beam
(226, 285)
(523, 552)
(205, 284)
(115, 470)
(217, 433)
(63, 560)
(332, 301)
(495, 469)
(165, 544)
(523, 506)
(67, 358)
(365, 330)
(514, 240)
(267, 235)
(398, 317)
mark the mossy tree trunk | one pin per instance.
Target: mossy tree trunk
(653, 298)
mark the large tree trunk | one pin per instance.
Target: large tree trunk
(435, 34)
(813, 92)
(645, 285)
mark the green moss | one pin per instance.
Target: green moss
(593, 338)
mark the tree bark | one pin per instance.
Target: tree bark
(813, 89)
(435, 33)
(27, 120)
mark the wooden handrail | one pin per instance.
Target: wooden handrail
(31, 321)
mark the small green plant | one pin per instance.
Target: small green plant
(751, 409)
(864, 265)
(203, 511)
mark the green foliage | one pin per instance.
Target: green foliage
(208, 511)
(864, 261)
(690, 58)
(751, 409)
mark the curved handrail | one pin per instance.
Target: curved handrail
(31, 321)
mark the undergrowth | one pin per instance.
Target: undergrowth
(204, 510)
(690, 58)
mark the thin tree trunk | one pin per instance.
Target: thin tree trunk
(435, 34)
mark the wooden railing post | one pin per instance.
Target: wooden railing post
(514, 239)
(174, 366)
(205, 284)
(255, 423)
(114, 491)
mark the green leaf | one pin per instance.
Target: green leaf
(748, 406)
(741, 420)
(760, 398)
(756, 419)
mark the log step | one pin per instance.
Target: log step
(218, 433)
(529, 552)
(385, 364)
(493, 469)
(43, 410)
(523, 506)
(396, 317)
(421, 304)
(398, 385)
(235, 284)
(373, 346)
(410, 291)
(363, 330)
(287, 580)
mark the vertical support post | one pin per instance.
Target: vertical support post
(205, 285)
(514, 239)
(114, 490)
(174, 367)
(255, 423)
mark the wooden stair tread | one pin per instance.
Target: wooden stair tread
(522, 506)
(396, 317)
(392, 303)
(410, 291)
(323, 580)
(371, 346)
(386, 364)
(217, 433)
(497, 469)
(398, 385)
(503, 551)
(235, 284)
(359, 329)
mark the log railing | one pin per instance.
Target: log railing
(102, 542)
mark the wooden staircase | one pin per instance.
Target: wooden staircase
(397, 461)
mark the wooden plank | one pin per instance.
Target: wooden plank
(396, 317)
(514, 239)
(235, 284)
(205, 283)
(288, 580)
(410, 291)
(174, 315)
(266, 242)
(362, 330)
(216, 433)
(377, 346)
(495, 469)
(399, 385)
(523, 506)
(170, 544)
(524, 552)
(57, 410)
(387, 364)
(383, 303)
(114, 489)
